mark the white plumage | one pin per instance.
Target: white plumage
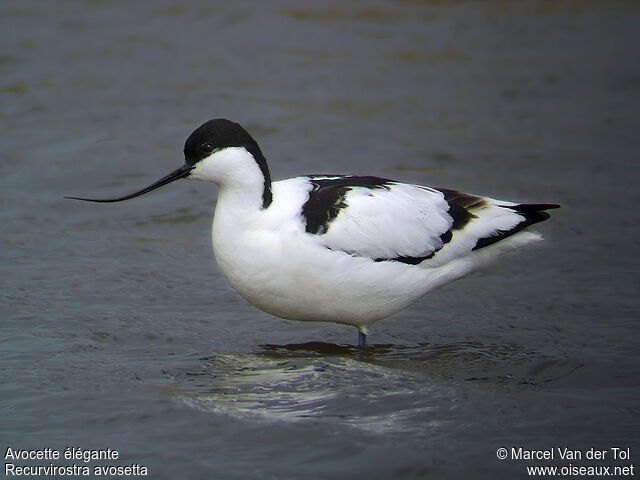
(345, 249)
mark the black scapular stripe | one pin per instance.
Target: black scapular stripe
(327, 198)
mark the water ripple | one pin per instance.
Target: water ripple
(381, 389)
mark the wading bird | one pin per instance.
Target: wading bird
(339, 248)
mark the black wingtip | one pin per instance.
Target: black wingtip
(533, 207)
(532, 212)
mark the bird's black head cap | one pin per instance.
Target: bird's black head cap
(221, 133)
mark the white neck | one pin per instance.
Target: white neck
(239, 179)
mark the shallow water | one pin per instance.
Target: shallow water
(118, 331)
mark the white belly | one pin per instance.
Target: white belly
(294, 278)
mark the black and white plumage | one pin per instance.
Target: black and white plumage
(340, 248)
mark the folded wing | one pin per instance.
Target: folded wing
(384, 220)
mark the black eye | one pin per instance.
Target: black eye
(207, 148)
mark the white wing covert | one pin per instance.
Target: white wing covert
(385, 220)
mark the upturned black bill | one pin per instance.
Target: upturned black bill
(177, 174)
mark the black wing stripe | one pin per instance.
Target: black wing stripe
(445, 238)
(326, 198)
(461, 206)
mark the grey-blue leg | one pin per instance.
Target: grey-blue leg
(362, 336)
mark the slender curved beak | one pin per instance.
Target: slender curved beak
(178, 173)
